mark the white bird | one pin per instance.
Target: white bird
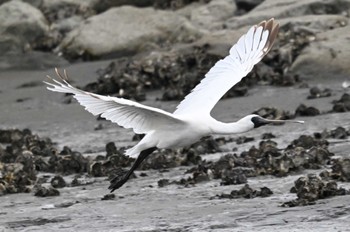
(191, 120)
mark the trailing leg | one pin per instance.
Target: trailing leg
(119, 181)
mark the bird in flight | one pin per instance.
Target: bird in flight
(191, 120)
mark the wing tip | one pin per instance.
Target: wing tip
(272, 27)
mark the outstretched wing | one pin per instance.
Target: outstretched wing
(142, 119)
(247, 52)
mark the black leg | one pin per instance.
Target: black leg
(118, 181)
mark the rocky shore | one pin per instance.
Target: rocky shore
(54, 175)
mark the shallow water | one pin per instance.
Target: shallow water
(141, 205)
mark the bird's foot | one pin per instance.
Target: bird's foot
(119, 180)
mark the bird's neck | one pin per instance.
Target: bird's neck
(229, 128)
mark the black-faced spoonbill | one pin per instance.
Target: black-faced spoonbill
(191, 120)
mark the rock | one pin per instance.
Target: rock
(343, 104)
(110, 196)
(161, 160)
(97, 170)
(35, 3)
(21, 25)
(325, 57)
(178, 71)
(80, 181)
(268, 136)
(316, 92)
(111, 149)
(233, 176)
(64, 16)
(219, 42)
(103, 5)
(247, 5)
(163, 183)
(247, 192)
(273, 113)
(341, 169)
(73, 162)
(24, 31)
(164, 159)
(212, 15)
(244, 139)
(281, 9)
(26, 158)
(304, 27)
(100, 35)
(15, 179)
(311, 188)
(57, 10)
(13, 136)
(307, 142)
(2, 189)
(337, 133)
(268, 159)
(64, 26)
(174, 4)
(58, 182)
(41, 191)
(304, 110)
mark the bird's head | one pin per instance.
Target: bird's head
(255, 121)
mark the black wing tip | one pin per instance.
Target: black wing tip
(272, 27)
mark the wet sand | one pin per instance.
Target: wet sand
(141, 205)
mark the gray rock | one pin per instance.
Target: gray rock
(127, 30)
(219, 42)
(247, 5)
(209, 16)
(327, 57)
(313, 23)
(103, 5)
(23, 28)
(21, 25)
(67, 24)
(3, 1)
(56, 10)
(35, 3)
(280, 9)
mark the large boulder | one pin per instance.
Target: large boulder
(327, 57)
(211, 15)
(57, 10)
(127, 30)
(219, 42)
(288, 8)
(103, 5)
(21, 25)
(23, 30)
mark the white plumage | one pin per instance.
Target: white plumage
(191, 120)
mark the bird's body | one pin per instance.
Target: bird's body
(191, 120)
(188, 131)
